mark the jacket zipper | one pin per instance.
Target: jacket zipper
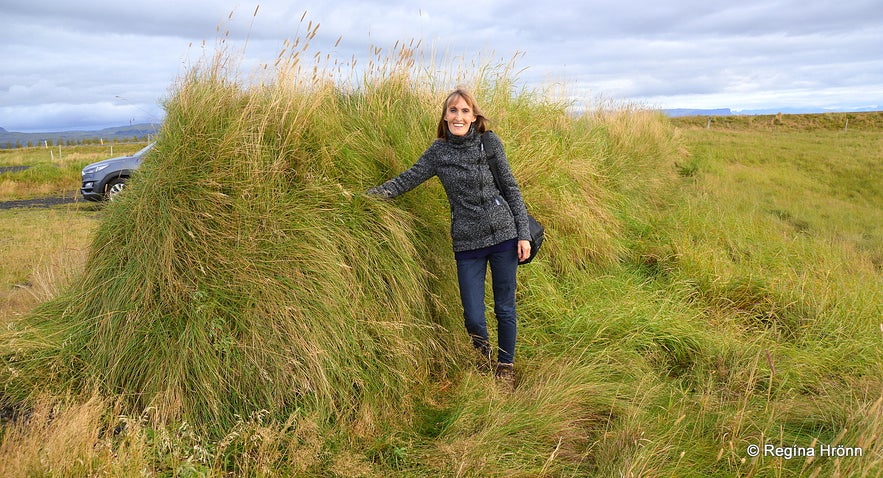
(483, 156)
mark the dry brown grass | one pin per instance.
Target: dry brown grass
(42, 251)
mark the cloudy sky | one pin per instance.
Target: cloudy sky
(96, 63)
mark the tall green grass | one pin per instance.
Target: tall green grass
(246, 309)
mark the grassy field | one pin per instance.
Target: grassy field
(42, 249)
(246, 310)
(52, 171)
(866, 122)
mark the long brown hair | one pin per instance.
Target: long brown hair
(481, 123)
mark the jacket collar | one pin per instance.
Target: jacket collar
(465, 140)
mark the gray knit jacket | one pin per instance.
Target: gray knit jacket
(481, 216)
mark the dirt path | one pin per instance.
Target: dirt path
(12, 169)
(50, 201)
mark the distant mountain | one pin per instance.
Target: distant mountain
(802, 111)
(11, 139)
(675, 112)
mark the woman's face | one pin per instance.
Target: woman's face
(459, 116)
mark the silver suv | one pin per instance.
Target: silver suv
(105, 179)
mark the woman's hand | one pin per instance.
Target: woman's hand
(523, 250)
(380, 192)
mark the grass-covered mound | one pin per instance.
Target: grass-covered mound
(247, 310)
(241, 273)
(245, 269)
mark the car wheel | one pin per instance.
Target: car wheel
(114, 187)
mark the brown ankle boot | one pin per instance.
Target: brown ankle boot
(505, 375)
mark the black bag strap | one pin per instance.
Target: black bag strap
(492, 162)
(537, 231)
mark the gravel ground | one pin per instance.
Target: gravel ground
(12, 169)
(50, 201)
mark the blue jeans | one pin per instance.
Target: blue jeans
(471, 276)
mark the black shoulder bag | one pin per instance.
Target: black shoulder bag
(537, 232)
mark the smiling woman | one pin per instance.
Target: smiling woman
(459, 115)
(489, 222)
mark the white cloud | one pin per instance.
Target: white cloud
(67, 64)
